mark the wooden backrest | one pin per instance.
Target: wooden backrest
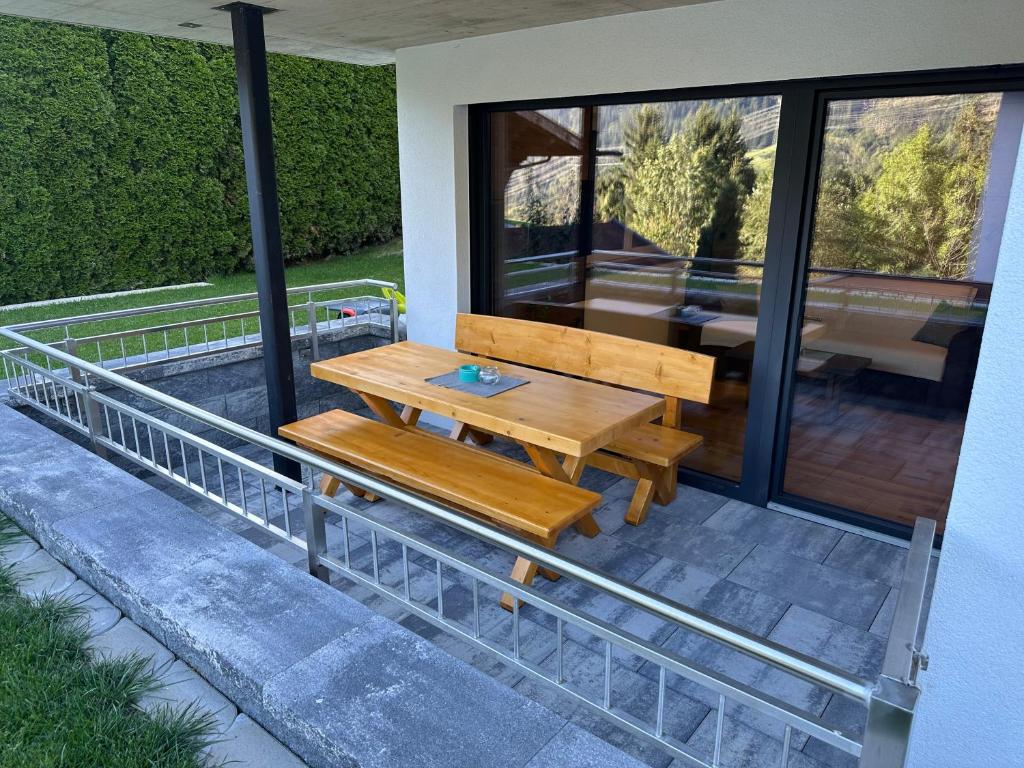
(675, 373)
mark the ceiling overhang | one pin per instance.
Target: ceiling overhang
(356, 31)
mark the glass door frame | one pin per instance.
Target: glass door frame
(791, 218)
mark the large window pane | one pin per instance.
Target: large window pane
(907, 226)
(676, 196)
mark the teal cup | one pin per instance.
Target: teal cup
(469, 373)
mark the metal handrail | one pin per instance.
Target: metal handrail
(192, 303)
(774, 654)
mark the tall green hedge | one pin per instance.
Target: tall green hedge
(121, 160)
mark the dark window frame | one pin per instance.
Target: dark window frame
(791, 219)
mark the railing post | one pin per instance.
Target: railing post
(88, 406)
(314, 341)
(394, 319)
(316, 536)
(891, 709)
(890, 718)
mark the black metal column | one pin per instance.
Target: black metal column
(264, 217)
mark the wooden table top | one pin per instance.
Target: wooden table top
(563, 414)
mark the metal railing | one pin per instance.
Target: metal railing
(136, 348)
(454, 593)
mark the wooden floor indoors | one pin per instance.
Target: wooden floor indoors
(886, 457)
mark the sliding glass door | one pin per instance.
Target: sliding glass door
(833, 249)
(908, 215)
(645, 220)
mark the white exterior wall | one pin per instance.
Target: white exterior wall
(978, 616)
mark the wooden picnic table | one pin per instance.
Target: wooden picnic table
(558, 420)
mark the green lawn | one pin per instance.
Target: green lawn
(61, 709)
(382, 262)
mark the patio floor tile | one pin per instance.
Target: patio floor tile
(746, 746)
(869, 558)
(718, 553)
(832, 641)
(812, 541)
(834, 593)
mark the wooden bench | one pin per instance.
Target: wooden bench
(649, 454)
(510, 494)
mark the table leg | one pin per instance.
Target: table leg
(411, 415)
(573, 466)
(524, 572)
(329, 485)
(642, 496)
(460, 431)
(383, 409)
(547, 462)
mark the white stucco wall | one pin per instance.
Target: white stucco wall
(978, 615)
(971, 713)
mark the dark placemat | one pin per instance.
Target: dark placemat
(451, 381)
(696, 318)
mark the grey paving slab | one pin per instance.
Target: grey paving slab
(611, 554)
(711, 550)
(482, 660)
(39, 574)
(182, 689)
(376, 698)
(869, 558)
(847, 647)
(754, 612)
(99, 614)
(744, 746)
(736, 666)
(840, 713)
(631, 693)
(126, 637)
(288, 552)
(574, 747)
(812, 541)
(247, 744)
(680, 582)
(883, 619)
(834, 593)
(743, 607)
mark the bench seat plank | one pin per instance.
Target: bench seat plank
(655, 444)
(495, 487)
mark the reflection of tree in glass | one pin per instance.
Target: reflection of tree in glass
(909, 208)
(643, 135)
(688, 195)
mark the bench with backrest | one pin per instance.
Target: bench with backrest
(510, 494)
(649, 454)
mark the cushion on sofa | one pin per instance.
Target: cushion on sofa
(940, 328)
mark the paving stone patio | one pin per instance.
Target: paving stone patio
(820, 590)
(813, 587)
